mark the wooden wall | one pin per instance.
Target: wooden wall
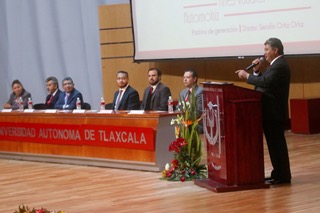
(117, 54)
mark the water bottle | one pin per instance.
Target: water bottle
(30, 104)
(78, 103)
(170, 105)
(20, 104)
(102, 104)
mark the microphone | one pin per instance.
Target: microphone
(253, 65)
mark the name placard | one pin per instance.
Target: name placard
(6, 110)
(138, 112)
(50, 111)
(79, 111)
(107, 111)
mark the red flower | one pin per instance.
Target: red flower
(171, 169)
(182, 179)
(168, 174)
(192, 172)
(177, 144)
(181, 141)
(175, 162)
(173, 147)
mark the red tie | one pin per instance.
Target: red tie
(187, 96)
(50, 99)
(151, 90)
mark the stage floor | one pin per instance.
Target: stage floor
(83, 189)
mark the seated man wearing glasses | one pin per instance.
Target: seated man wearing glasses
(68, 99)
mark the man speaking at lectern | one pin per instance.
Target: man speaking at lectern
(274, 83)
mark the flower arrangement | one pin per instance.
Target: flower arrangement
(187, 146)
(26, 209)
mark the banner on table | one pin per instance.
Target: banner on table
(78, 134)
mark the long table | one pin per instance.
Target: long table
(117, 139)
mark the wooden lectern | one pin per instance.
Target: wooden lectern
(234, 138)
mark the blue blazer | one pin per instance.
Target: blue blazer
(129, 101)
(71, 100)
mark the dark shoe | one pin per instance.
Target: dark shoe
(277, 182)
(268, 178)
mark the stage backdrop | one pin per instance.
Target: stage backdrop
(46, 38)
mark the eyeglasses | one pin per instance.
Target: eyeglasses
(68, 83)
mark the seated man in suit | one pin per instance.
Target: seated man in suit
(126, 98)
(54, 92)
(156, 95)
(68, 99)
(190, 80)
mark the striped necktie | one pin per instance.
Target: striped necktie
(118, 99)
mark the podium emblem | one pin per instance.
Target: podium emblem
(212, 131)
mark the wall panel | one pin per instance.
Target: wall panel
(116, 35)
(305, 76)
(116, 50)
(114, 16)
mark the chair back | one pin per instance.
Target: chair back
(108, 106)
(39, 106)
(86, 106)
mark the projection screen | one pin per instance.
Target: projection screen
(175, 29)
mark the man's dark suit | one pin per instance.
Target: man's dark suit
(53, 100)
(129, 101)
(274, 83)
(198, 92)
(72, 100)
(159, 98)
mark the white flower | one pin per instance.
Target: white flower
(174, 120)
(167, 167)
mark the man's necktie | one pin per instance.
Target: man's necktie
(49, 101)
(187, 96)
(66, 98)
(118, 99)
(148, 102)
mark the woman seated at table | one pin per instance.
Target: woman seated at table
(17, 92)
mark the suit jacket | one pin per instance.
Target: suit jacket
(53, 101)
(159, 99)
(129, 101)
(74, 94)
(274, 83)
(198, 91)
(15, 104)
